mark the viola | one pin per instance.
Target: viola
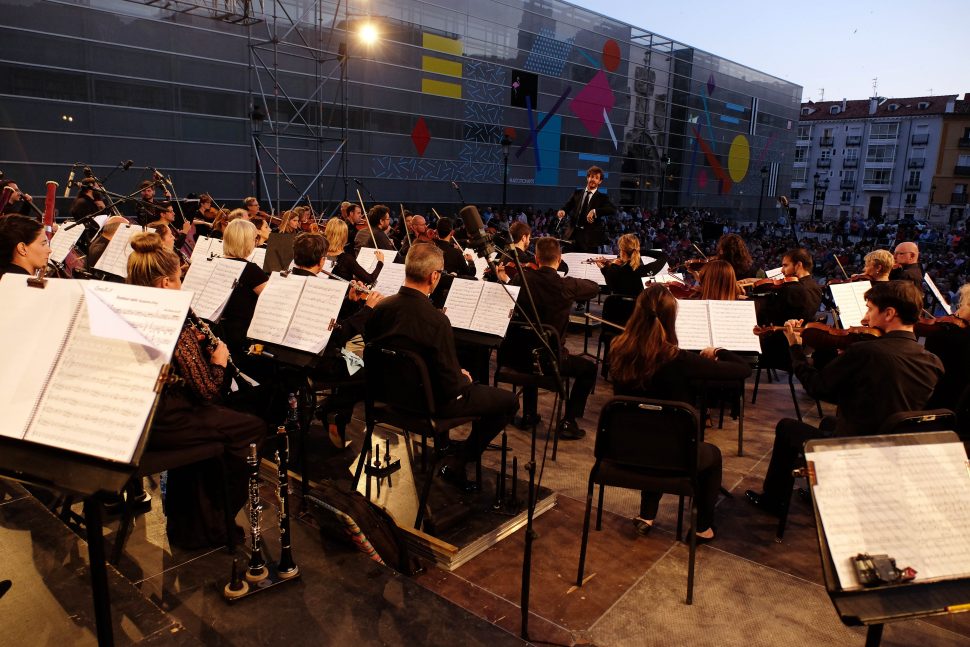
(772, 285)
(927, 327)
(819, 335)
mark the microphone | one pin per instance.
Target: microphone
(70, 178)
(126, 165)
(478, 239)
(454, 185)
(290, 182)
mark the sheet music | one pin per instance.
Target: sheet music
(732, 325)
(481, 264)
(201, 250)
(495, 308)
(28, 358)
(258, 256)
(850, 301)
(156, 314)
(461, 302)
(63, 242)
(777, 273)
(390, 280)
(580, 269)
(211, 282)
(367, 260)
(275, 307)
(693, 325)
(939, 295)
(319, 305)
(114, 260)
(911, 502)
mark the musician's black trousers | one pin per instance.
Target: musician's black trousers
(494, 407)
(709, 484)
(790, 438)
(583, 374)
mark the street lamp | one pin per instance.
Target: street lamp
(506, 144)
(664, 163)
(761, 196)
(814, 196)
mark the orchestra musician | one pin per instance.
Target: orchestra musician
(190, 414)
(585, 210)
(951, 344)
(878, 266)
(87, 201)
(204, 216)
(345, 264)
(148, 209)
(624, 274)
(869, 382)
(457, 262)
(238, 243)
(402, 229)
(409, 321)
(731, 248)
(792, 300)
(279, 245)
(419, 234)
(379, 218)
(251, 206)
(645, 361)
(554, 297)
(20, 202)
(906, 256)
(262, 230)
(100, 242)
(23, 245)
(717, 282)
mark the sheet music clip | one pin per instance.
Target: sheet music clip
(875, 570)
(284, 273)
(166, 376)
(333, 324)
(37, 282)
(511, 312)
(212, 255)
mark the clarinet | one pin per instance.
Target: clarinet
(257, 570)
(286, 568)
(211, 342)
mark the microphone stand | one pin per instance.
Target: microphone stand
(370, 195)
(457, 188)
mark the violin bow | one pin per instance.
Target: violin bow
(844, 273)
(404, 223)
(367, 220)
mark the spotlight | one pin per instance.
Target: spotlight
(368, 34)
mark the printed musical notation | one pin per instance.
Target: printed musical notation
(114, 260)
(850, 300)
(480, 306)
(63, 242)
(296, 311)
(211, 282)
(719, 324)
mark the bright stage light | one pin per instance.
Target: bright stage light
(368, 34)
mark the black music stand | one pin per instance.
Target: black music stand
(875, 606)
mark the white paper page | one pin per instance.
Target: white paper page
(201, 250)
(390, 280)
(33, 329)
(367, 260)
(63, 241)
(461, 302)
(936, 292)
(732, 324)
(318, 306)
(481, 264)
(99, 396)
(693, 325)
(215, 247)
(850, 301)
(114, 260)
(258, 256)
(911, 502)
(495, 308)
(198, 275)
(210, 301)
(157, 315)
(275, 308)
(776, 273)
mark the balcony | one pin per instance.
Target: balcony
(826, 162)
(962, 171)
(920, 140)
(914, 186)
(917, 162)
(853, 140)
(826, 141)
(958, 198)
(850, 162)
(876, 185)
(964, 142)
(847, 184)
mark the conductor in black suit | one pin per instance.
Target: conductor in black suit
(585, 211)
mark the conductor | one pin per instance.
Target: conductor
(584, 213)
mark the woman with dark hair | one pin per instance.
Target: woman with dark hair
(717, 281)
(731, 248)
(23, 245)
(189, 414)
(645, 361)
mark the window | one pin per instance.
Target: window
(801, 152)
(852, 153)
(878, 176)
(881, 153)
(804, 131)
(884, 131)
(833, 110)
(963, 160)
(825, 153)
(923, 105)
(795, 194)
(798, 174)
(846, 197)
(910, 199)
(849, 176)
(914, 177)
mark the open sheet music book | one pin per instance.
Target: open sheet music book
(481, 306)
(211, 281)
(390, 280)
(908, 501)
(63, 242)
(297, 311)
(579, 267)
(82, 361)
(206, 247)
(114, 260)
(481, 264)
(850, 301)
(718, 324)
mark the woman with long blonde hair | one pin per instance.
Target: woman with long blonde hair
(345, 265)
(624, 274)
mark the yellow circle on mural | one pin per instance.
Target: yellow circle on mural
(739, 157)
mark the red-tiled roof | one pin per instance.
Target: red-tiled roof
(859, 108)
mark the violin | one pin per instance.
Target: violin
(771, 285)
(270, 218)
(819, 335)
(855, 278)
(927, 327)
(308, 223)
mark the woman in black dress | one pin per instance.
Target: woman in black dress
(345, 265)
(624, 275)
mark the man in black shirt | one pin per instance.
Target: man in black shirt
(794, 300)
(869, 382)
(379, 218)
(456, 261)
(907, 266)
(585, 210)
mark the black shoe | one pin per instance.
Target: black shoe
(758, 499)
(528, 421)
(569, 430)
(702, 540)
(456, 476)
(642, 527)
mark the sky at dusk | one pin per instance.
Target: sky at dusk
(914, 48)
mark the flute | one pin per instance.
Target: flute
(257, 570)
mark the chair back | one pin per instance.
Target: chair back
(518, 348)
(659, 435)
(909, 422)
(398, 378)
(618, 309)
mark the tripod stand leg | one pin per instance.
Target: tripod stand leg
(99, 572)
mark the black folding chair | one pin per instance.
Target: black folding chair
(617, 309)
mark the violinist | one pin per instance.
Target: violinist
(906, 267)
(23, 245)
(716, 281)
(731, 248)
(521, 235)
(345, 265)
(419, 234)
(252, 208)
(797, 299)
(262, 230)
(869, 382)
(148, 209)
(624, 273)
(279, 246)
(191, 414)
(951, 343)
(457, 262)
(878, 265)
(379, 218)
(206, 214)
